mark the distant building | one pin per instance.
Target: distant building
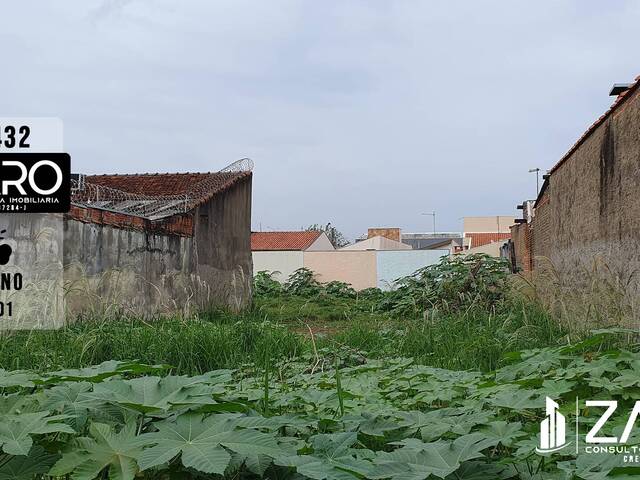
(297, 241)
(392, 233)
(282, 252)
(452, 241)
(483, 232)
(377, 243)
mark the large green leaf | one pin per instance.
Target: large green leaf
(16, 430)
(24, 467)
(153, 394)
(203, 443)
(438, 459)
(17, 378)
(333, 458)
(100, 372)
(106, 448)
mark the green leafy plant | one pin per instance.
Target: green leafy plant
(356, 419)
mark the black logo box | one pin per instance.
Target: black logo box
(44, 177)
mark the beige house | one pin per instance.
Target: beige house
(377, 243)
(481, 232)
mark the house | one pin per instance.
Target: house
(282, 252)
(377, 243)
(452, 241)
(374, 262)
(486, 234)
(290, 241)
(586, 214)
(152, 243)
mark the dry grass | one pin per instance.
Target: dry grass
(597, 297)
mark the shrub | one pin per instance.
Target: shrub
(265, 284)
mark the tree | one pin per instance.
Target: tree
(335, 236)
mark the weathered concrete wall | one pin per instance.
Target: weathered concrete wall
(36, 248)
(223, 236)
(592, 204)
(151, 273)
(108, 268)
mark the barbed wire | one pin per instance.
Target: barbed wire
(154, 207)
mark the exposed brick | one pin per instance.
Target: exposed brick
(390, 233)
(181, 225)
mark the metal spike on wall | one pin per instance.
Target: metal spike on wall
(89, 195)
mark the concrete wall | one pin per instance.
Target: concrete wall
(149, 273)
(488, 224)
(590, 209)
(361, 269)
(223, 236)
(36, 243)
(285, 262)
(356, 268)
(392, 265)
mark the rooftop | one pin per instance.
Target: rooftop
(155, 195)
(479, 239)
(299, 240)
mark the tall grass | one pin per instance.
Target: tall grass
(595, 296)
(194, 345)
(475, 339)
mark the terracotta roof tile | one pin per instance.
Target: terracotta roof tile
(199, 186)
(283, 240)
(479, 239)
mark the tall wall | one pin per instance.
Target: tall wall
(109, 268)
(223, 236)
(592, 204)
(151, 272)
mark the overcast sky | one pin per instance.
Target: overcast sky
(362, 113)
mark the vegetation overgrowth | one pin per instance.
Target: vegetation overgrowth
(458, 314)
(444, 376)
(331, 415)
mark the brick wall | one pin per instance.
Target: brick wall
(590, 211)
(176, 225)
(390, 233)
(521, 237)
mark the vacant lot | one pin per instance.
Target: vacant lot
(445, 377)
